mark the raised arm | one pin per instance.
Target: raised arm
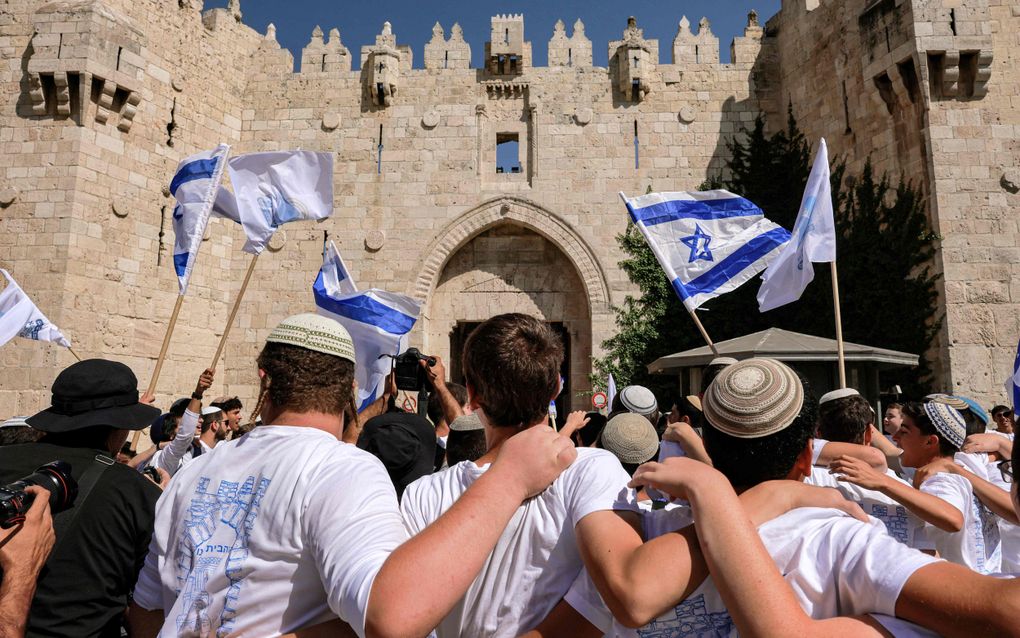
(687, 438)
(437, 377)
(927, 507)
(423, 578)
(833, 450)
(757, 598)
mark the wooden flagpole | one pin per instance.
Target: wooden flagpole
(71, 350)
(839, 326)
(151, 390)
(704, 333)
(233, 311)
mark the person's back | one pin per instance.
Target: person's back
(249, 532)
(101, 541)
(536, 558)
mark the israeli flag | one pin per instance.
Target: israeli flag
(279, 187)
(378, 321)
(610, 393)
(194, 186)
(336, 278)
(814, 240)
(19, 317)
(1013, 384)
(708, 242)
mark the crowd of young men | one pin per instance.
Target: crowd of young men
(288, 530)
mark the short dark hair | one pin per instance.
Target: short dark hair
(710, 372)
(894, 406)
(304, 380)
(208, 419)
(748, 462)
(916, 412)
(465, 445)
(435, 406)
(1000, 409)
(845, 420)
(229, 405)
(16, 434)
(513, 363)
(590, 432)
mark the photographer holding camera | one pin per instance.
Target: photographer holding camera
(23, 551)
(101, 541)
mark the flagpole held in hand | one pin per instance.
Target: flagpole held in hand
(839, 326)
(233, 311)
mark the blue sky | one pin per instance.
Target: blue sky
(359, 22)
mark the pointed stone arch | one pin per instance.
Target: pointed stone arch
(517, 210)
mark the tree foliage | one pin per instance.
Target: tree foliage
(884, 246)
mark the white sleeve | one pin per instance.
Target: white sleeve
(871, 566)
(903, 628)
(171, 457)
(816, 450)
(670, 449)
(585, 599)
(594, 483)
(951, 488)
(352, 524)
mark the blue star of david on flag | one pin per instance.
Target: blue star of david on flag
(694, 241)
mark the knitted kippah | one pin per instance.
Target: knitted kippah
(638, 399)
(722, 361)
(631, 438)
(842, 393)
(947, 421)
(314, 332)
(753, 398)
(948, 399)
(467, 423)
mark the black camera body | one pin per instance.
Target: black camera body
(411, 377)
(55, 477)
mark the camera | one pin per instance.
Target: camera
(410, 375)
(54, 477)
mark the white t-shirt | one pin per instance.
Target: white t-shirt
(172, 456)
(536, 558)
(977, 544)
(280, 529)
(900, 522)
(835, 564)
(1008, 532)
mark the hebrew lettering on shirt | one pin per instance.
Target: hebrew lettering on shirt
(691, 620)
(201, 552)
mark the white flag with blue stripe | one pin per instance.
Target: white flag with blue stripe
(19, 317)
(378, 321)
(194, 186)
(279, 187)
(336, 278)
(814, 240)
(708, 242)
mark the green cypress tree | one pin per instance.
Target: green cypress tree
(884, 250)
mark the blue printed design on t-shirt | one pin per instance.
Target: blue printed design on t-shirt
(896, 522)
(236, 505)
(691, 619)
(984, 530)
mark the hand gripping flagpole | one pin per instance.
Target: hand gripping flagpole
(233, 311)
(697, 322)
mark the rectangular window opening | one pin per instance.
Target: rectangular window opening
(936, 73)
(60, 46)
(697, 53)
(508, 159)
(909, 75)
(49, 89)
(323, 61)
(506, 36)
(513, 63)
(570, 57)
(446, 60)
(968, 72)
(885, 90)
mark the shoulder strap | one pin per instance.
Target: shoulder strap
(61, 524)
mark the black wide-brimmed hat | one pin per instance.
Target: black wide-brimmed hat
(404, 442)
(94, 392)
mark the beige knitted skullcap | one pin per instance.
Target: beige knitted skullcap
(314, 332)
(841, 393)
(946, 399)
(631, 438)
(753, 398)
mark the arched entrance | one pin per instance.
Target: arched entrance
(508, 255)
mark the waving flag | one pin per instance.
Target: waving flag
(708, 242)
(20, 318)
(378, 322)
(814, 240)
(194, 186)
(280, 187)
(336, 278)
(610, 392)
